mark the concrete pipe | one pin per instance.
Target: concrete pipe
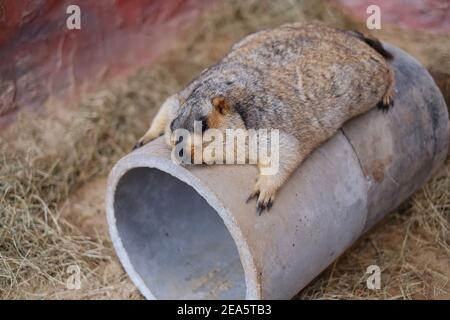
(186, 232)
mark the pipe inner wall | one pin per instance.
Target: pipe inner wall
(177, 242)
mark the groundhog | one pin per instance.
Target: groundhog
(305, 80)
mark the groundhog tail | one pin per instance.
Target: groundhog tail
(374, 43)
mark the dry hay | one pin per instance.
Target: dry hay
(46, 159)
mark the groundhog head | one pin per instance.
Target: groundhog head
(197, 116)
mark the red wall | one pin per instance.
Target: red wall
(41, 58)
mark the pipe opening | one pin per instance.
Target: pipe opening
(176, 241)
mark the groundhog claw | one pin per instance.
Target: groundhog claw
(254, 194)
(138, 144)
(263, 205)
(265, 196)
(259, 209)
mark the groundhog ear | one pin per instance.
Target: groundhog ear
(220, 104)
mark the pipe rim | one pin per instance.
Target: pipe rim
(141, 160)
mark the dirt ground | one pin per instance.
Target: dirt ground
(54, 207)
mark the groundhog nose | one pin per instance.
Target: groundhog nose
(180, 152)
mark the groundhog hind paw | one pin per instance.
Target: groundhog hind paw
(386, 104)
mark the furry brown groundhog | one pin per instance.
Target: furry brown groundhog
(304, 80)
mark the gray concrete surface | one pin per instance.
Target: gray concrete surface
(186, 232)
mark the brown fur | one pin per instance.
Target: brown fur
(215, 119)
(304, 80)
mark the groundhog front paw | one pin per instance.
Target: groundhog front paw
(264, 190)
(138, 144)
(149, 136)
